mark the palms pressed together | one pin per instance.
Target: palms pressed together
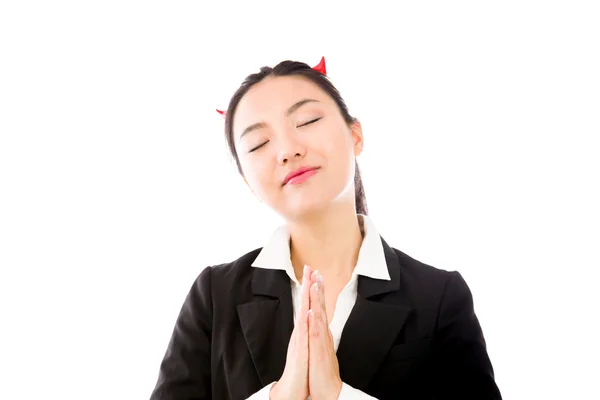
(311, 366)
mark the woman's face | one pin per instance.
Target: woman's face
(311, 134)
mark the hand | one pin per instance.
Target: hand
(294, 380)
(324, 382)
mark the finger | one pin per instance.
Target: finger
(321, 294)
(302, 338)
(313, 316)
(305, 306)
(306, 288)
(304, 296)
(316, 332)
(314, 278)
(318, 301)
(302, 341)
(311, 332)
(318, 311)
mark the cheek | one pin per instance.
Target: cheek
(340, 159)
(337, 149)
(258, 175)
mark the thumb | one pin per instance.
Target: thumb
(302, 334)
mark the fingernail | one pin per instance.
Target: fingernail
(319, 277)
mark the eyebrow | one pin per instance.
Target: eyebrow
(288, 112)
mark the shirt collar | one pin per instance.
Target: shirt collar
(371, 257)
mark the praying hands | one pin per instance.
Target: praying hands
(311, 365)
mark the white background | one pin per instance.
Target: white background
(481, 125)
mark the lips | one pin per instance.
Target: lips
(297, 172)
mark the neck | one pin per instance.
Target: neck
(328, 242)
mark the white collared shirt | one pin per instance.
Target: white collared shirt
(371, 262)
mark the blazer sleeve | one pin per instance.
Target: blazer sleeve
(350, 393)
(462, 366)
(185, 369)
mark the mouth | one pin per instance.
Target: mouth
(301, 177)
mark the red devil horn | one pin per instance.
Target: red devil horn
(321, 66)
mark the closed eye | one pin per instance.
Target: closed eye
(258, 147)
(308, 123)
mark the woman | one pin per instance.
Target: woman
(326, 308)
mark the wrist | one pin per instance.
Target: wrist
(273, 391)
(338, 389)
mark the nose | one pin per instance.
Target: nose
(289, 147)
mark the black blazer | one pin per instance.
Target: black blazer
(414, 337)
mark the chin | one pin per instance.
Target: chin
(308, 205)
(310, 199)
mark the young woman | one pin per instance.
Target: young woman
(326, 309)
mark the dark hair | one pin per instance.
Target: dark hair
(291, 68)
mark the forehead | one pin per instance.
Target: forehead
(272, 96)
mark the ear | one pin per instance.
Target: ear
(357, 138)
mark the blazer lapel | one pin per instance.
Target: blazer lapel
(267, 322)
(372, 326)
